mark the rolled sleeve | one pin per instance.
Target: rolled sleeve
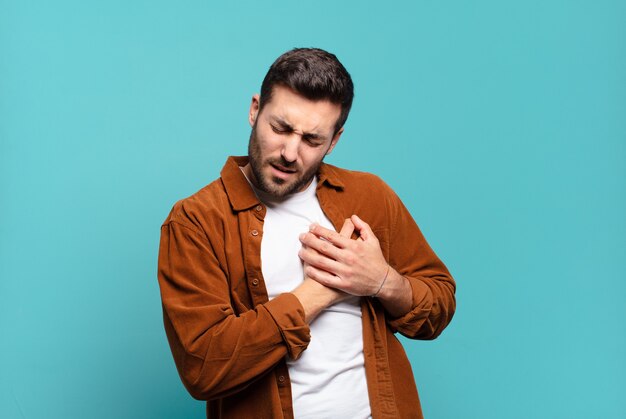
(411, 322)
(288, 314)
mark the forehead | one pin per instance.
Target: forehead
(301, 113)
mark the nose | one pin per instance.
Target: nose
(290, 148)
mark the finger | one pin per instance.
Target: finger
(365, 232)
(329, 235)
(311, 256)
(323, 277)
(347, 229)
(322, 246)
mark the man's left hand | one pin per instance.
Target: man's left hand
(357, 267)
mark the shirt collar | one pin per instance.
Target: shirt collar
(328, 174)
(241, 195)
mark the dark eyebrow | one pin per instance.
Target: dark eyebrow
(287, 127)
(283, 124)
(311, 136)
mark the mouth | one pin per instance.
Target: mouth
(283, 168)
(282, 171)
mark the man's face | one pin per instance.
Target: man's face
(290, 138)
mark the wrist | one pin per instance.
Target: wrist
(397, 295)
(315, 297)
(382, 284)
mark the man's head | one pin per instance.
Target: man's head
(297, 120)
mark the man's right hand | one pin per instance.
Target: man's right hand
(314, 296)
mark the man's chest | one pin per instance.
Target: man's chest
(281, 265)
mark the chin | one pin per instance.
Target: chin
(280, 190)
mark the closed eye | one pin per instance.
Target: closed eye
(279, 129)
(313, 141)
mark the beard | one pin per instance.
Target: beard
(272, 185)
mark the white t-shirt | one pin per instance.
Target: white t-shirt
(328, 380)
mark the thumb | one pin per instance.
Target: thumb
(347, 229)
(362, 227)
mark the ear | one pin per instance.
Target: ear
(254, 110)
(334, 141)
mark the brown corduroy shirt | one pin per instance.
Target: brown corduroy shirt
(230, 343)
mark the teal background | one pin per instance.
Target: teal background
(502, 126)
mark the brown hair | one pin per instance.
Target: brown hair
(315, 74)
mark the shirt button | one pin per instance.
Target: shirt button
(255, 282)
(254, 232)
(281, 378)
(258, 208)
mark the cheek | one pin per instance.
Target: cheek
(267, 144)
(272, 141)
(312, 158)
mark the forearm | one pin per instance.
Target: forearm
(315, 297)
(219, 352)
(432, 309)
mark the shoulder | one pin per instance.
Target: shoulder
(200, 208)
(361, 193)
(353, 179)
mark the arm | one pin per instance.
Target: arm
(218, 352)
(433, 289)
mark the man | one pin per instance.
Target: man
(284, 281)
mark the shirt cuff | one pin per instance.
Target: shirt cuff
(288, 314)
